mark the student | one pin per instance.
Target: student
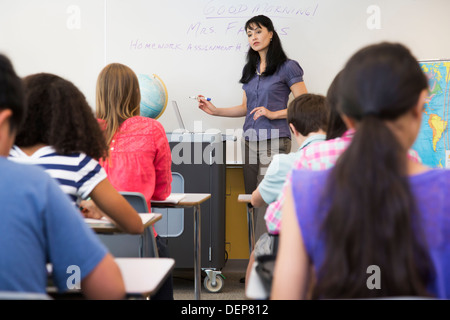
(61, 134)
(336, 126)
(321, 156)
(307, 116)
(376, 212)
(39, 223)
(268, 78)
(139, 158)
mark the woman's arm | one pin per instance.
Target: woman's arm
(117, 208)
(298, 89)
(292, 266)
(236, 111)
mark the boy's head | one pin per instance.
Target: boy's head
(308, 113)
(12, 104)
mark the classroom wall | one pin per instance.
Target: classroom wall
(199, 46)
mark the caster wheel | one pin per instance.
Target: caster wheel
(213, 288)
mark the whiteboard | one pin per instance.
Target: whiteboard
(199, 46)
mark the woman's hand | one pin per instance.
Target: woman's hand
(206, 106)
(261, 111)
(90, 210)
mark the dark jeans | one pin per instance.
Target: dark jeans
(166, 290)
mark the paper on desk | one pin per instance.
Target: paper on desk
(105, 222)
(172, 198)
(245, 197)
(99, 222)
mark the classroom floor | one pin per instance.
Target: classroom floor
(233, 288)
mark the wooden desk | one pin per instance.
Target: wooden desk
(191, 200)
(104, 226)
(144, 276)
(250, 220)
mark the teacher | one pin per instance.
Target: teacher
(268, 78)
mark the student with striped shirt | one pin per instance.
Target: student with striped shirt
(39, 224)
(62, 135)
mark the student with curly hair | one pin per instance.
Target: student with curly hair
(39, 223)
(61, 135)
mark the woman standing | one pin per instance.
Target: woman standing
(268, 78)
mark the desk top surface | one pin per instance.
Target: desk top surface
(106, 226)
(143, 276)
(245, 198)
(189, 200)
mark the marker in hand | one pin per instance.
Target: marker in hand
(198, 98)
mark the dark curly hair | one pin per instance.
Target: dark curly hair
(58, 115)
(11, 93)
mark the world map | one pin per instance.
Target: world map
(433, 139)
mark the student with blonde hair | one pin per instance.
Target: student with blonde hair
(139, 157)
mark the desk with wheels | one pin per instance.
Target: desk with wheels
(194, 201)
(198, 166)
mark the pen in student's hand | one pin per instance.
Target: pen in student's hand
(198, 97)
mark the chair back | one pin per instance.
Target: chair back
(137, 201)
(129, 245)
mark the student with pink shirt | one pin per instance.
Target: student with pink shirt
(139, 158)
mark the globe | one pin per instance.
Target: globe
(153, 95)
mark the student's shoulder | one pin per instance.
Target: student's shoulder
(309, 178)
(23, 172)
(284, 158)
(313, 149)
(144, 123)
(331, 145)
(433, 176)
(281, 162)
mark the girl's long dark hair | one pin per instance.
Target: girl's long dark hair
(373, 218)
(275, 55)
(336, 126)
(58, 115)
